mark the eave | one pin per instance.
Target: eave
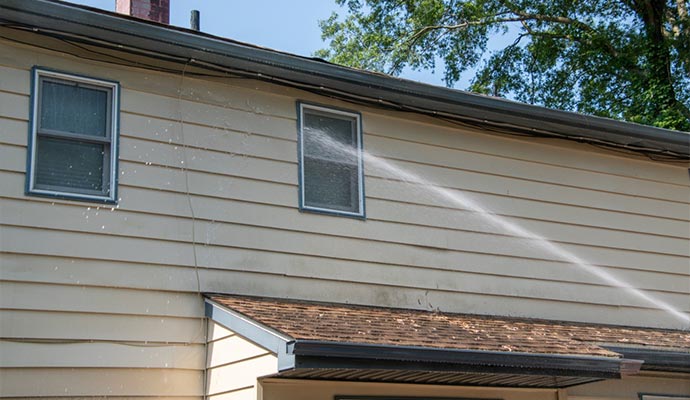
(185, 46)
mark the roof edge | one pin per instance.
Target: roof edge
(474, 360)
(379, 89)
(656, 359)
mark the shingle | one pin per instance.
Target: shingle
(419, 328)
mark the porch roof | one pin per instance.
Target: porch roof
(352, 342)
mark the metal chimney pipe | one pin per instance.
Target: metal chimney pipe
(195, 20)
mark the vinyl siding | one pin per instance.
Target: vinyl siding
(208, 202)
(234, 364)
(629, 388)
(84, 382)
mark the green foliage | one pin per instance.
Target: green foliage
(623, 59)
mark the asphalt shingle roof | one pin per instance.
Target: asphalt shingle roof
(430, 329)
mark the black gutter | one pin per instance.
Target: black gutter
(270, 64)
(655, 359)
(319, 354)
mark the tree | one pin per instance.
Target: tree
(623, 59)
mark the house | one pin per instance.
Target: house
(185, 216)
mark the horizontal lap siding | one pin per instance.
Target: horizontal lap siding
(214, 260)
(240, 376)
(63, 382)
(31, 296)
(666, 251)
(100, 355)
(631, 387)
(18, 324)
(457, 221)
(234, 364)
(208, 201)
(262, 155)
(244, 394)
(218, 238)
(80, 326)
(171, 397)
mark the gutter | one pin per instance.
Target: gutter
(127, 34)
(656, 359)
(321, 354)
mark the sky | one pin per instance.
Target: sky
(286, 25)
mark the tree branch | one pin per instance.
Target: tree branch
(521, 17)
(555, 18)
(421, 32)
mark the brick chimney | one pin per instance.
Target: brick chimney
(152, 10)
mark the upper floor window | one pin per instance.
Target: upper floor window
(331, 170)
(73, 138)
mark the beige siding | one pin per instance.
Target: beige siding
(232, 350)
(113, 397)
(100, 355)
(208, 202)
(70, 298)
(246, 394)
(234, 364)
(61, 327)
(629, 388)
(87, 382)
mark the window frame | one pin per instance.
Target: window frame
(332, 112)
(110, 140)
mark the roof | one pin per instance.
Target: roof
(80, 24)
(404, 327)
(346, 338)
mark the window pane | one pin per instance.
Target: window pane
(76, 109)
(330, 185)
(330, 162)
(330, 138)
(69, 164)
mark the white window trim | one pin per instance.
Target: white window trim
(114, 87)
(360, 163)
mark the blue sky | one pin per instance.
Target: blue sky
(285, 25)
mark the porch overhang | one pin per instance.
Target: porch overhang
(320, 355)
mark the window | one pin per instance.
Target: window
(73, 138)
(330, 144)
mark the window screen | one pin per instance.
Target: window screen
(73, 145)
(74, 108)
(331, 163)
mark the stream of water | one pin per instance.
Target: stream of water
(459, 199)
